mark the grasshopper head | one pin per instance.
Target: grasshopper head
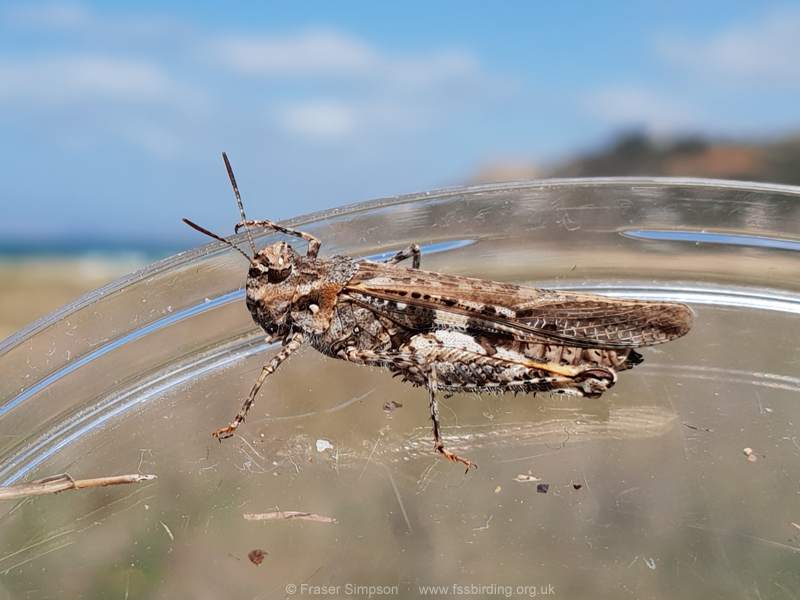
(274, 263)
(274, 291)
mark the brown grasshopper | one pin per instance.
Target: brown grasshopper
(442, 332)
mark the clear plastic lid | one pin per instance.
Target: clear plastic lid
(650, 488)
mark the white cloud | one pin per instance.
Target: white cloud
(318, 119)
(766, 51)
(57, 82)
(77, 19)
(332, 55)
(717, 77)
(319, 54)
(318, 85)
(441, 66)
(64, 16)
(624, 107)
(358, 88)
(95, 101)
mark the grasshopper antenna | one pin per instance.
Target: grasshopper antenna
(239, 201)
(221, 239)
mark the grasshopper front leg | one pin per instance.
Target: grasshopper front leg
(288, 349)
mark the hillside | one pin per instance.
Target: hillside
(638, 155)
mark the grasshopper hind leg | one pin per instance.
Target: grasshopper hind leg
(402, 364)
(438, 445)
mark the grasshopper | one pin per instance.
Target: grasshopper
(442, 332)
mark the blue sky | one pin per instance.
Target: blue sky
(113, 115)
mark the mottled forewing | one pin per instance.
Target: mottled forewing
(424, 301)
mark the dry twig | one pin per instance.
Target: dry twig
(60, 483)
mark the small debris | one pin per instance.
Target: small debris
(577, 485)
(256, 556)
(390, 406)
(751, 456)
(542, 488)
(526, 478)
(796, 526)
(323, 445)
(698, 428)
(169, 533)
(288, 515)
(497, 489)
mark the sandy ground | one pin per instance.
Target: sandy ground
(30, 288)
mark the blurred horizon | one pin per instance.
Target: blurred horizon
(114, 116)
(631, 154)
